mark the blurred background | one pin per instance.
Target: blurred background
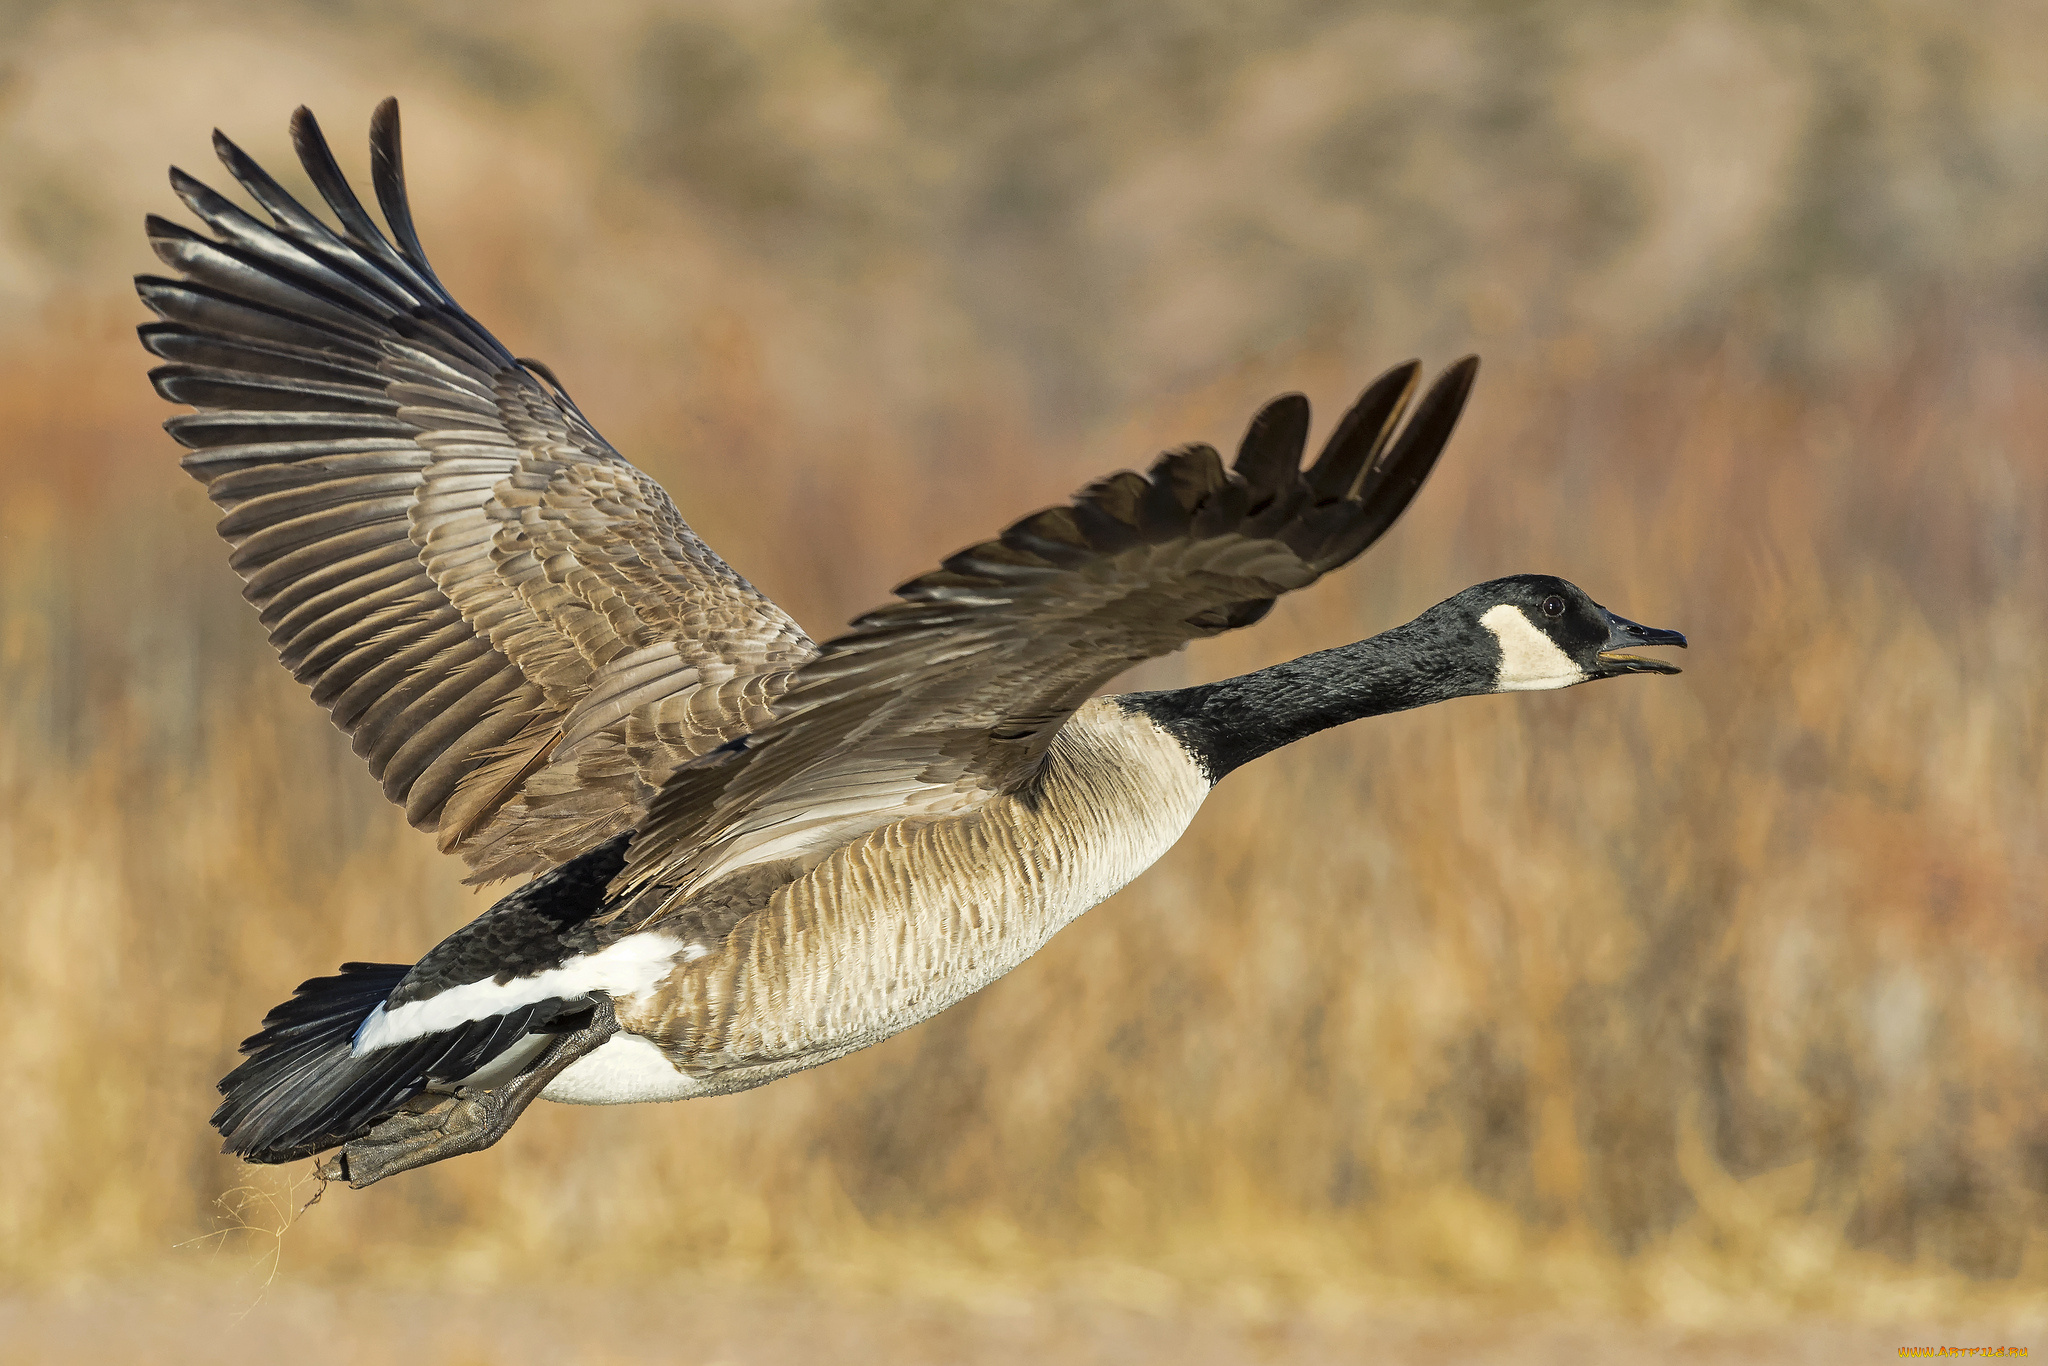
(1697, 1018)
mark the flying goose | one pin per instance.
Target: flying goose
(750, 853)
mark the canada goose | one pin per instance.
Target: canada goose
(754, 853)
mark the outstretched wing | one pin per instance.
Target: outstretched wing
(515, 625)
(932, 704)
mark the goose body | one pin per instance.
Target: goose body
(891, 928)
(882, 933)
(749, 853)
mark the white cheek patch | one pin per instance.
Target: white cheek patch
(1529, 660)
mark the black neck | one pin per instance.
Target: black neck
(1225, 725)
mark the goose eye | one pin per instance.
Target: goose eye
(1553, 606)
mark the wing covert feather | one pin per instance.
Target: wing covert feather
(934, 703)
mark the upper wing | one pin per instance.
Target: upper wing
(932, 704)
(515, 625)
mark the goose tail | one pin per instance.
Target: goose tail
(347, 1051)
(301, 1090)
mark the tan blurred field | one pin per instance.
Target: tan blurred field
(1686, 1019)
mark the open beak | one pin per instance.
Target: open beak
(1623, 634)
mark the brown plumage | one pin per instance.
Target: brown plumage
(896, 924)
(515, 625)
(941, 700)
(524, 637)
(537, 658)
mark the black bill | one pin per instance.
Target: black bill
(1622, 635)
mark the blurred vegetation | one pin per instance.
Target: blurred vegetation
(1716, 999)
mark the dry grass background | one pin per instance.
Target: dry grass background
(1713, 1001)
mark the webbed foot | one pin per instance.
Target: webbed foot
(429, 1130)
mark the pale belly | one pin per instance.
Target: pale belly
(902, 970)
(898, 925)
(625, 1070)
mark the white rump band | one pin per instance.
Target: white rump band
(621, 971)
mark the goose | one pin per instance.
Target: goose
(748, 853)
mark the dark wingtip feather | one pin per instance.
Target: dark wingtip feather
(358, 227)
(317, 158)
(282, 208)
(305, 127)
(387, 174)
(239, 163)
(157, 227)
(1362, 433)
(1423, 439)
(1395, 477)
(1270, 453)
(325, 172)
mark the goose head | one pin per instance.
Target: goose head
(1543, 632)
(1519, 634)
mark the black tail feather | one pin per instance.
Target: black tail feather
(264, 1116)
(304, 1089)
